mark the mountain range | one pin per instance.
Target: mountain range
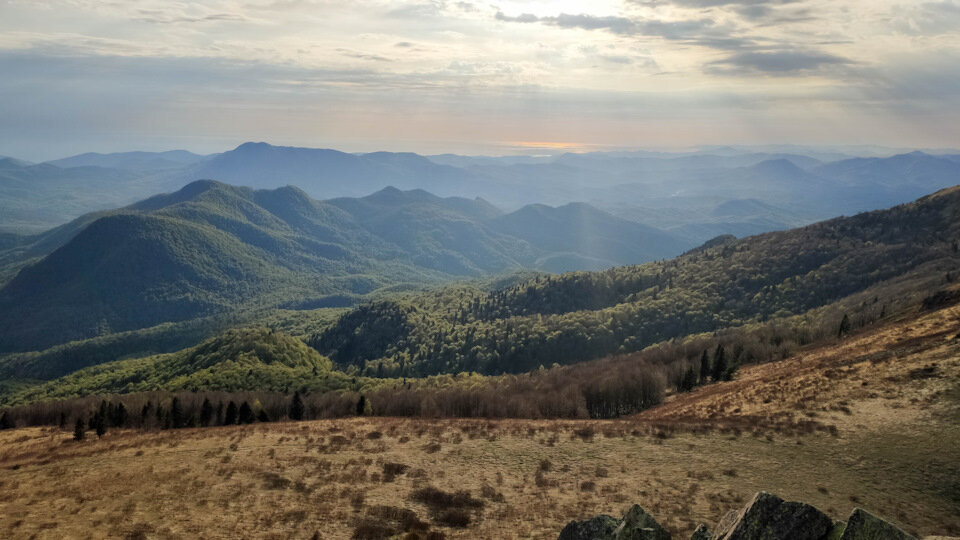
(772, 292)
(210, 248)
(680, 191)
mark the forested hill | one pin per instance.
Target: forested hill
(885, 255)
(212, 248)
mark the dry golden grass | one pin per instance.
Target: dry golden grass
(864, 423)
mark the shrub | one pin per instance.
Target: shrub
(454, 517)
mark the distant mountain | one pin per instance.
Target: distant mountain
(211, 247)
(329, 173)
(131, 161)
(582, 231)
(448, 235)
(35, 197)
(682, 188)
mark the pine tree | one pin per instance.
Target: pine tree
(79, 430)
(63, 420)
(245, 414)
(296, 407)
(206, 412)
(844, 326)
(145, 413)
(361, 405)
(231, 415)
(262, 416)
(177, 420)
(704, 367)
(5, 421)
(688, 381)
(220, 413)
(101, 425)
(103, 412)
(120, 415)
(719, 363)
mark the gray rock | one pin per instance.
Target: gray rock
(863, 525)
(596, 528)
(768, 517)
(702, 533)
(727, 523)
(637, 524)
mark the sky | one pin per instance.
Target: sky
(476, 77)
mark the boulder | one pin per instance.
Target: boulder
(601, 527)
(702, 533)
(863, 525)
(768, 517)
(637, 524)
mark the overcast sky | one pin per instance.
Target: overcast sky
(493, 77)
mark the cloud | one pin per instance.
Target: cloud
(363, 56)
(703, 4)
(784, 62)
(929, 18)
(158, 17)
(703, 31)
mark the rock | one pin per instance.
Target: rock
(702, 533)
(837, 531)
(768, 517)
(601, 527)
(729, 519)
(863, 525)
(637, 524)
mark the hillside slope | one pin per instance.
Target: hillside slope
(885, 257)
(243, 359)
(870, 421)
(211, 247)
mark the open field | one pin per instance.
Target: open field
(873, 421)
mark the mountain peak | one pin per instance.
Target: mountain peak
(252, 146)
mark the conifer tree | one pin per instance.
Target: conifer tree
(361, 405)
(206, 412)
(101, 425)
(220, 413)
(5, 422)
(120, 415)
(245, 414)
(177, 420)
(103, 412)
(704, 367)
(145, 413)
(296, 407)
(262, 416)
(844, 326)
(688, 381)
(231, 415)
(719, 363)
(79, 430)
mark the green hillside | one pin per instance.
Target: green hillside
(886, 257)
(242, 359)
(211, 248)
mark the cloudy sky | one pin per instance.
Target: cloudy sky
(490, 76)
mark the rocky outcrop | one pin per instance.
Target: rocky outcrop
(601, 527)
(766, 517)
(863, 525)
(636, 524)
